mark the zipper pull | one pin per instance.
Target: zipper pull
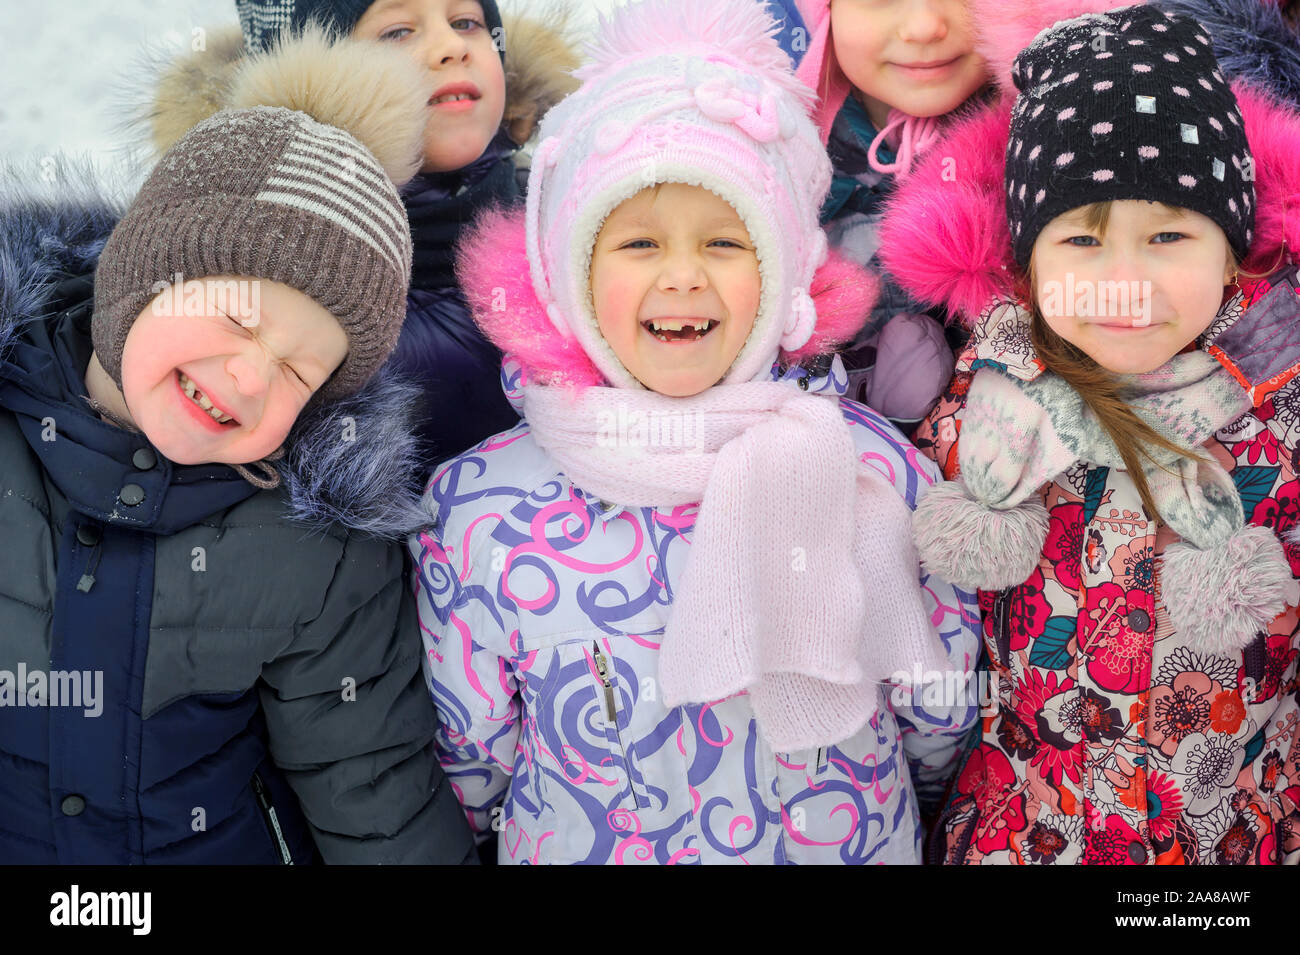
(602, 668)
(264, 800)
(1255, 665)
(89, 535)
(88, 578)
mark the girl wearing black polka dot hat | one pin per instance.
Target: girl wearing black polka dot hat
(1122, 441)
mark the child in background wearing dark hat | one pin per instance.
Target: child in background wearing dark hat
(489, 81)
(207, 650)
(1121, 439)
(887, 75)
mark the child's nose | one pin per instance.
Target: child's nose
(682, 273)
(250, 370)
(924, 22)
(445, 47)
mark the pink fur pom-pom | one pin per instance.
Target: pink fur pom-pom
(741, 29)
(975, 546)
(944, 235)
(1003, 29)
(492, 268)
(1219, 598)
(1273, 131)
(844, 294)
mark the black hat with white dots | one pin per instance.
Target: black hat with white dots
(1128, 104)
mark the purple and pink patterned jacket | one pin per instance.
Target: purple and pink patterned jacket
(542, 610)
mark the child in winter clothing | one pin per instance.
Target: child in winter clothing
(627, 667)
(1122, 448)
(512, 71)
(890, 78)
(186, 674)
(876, 113)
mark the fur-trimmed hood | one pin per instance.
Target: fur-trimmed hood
(1253, 40)
(539, 57)
(353, 462)
(492, 266)
(945, 236)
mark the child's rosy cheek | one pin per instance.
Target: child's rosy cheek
(616, 301)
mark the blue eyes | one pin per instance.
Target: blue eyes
(1088, 241)
(649, 243)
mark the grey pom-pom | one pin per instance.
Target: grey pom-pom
(1218, 599)
(977, 547)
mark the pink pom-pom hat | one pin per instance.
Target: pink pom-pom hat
(697, 93)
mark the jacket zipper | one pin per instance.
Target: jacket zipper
(1255, 665)
(1002, 627)
(611, 714)
(602, 669)
(268, 813)
(819, 762)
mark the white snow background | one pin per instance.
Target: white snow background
(69, 71)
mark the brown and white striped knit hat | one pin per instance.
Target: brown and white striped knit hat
(266, 193)
(294, 181)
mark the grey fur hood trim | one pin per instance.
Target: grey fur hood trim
(353, 463)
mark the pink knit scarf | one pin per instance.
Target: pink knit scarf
(802, 584)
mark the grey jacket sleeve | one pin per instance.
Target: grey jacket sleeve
(352, 724)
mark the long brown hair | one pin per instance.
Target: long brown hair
(1098, 387)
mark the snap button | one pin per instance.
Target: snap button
(88, 535)
(144, 459)
(803, 383)
(1139, 620)
(73, 805)
(1137, 852)
(131, 495)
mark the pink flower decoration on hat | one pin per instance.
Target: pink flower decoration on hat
(755, 113)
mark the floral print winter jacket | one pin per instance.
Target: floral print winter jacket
(1109, 740)
(542, 610)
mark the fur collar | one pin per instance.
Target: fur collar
(492, 266)
(945, 238)
(365, 482)
(188, 89)
(1253, 40)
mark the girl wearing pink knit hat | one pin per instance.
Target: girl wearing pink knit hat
(676, 615)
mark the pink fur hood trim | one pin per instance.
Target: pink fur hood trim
(945, 237)
(492, 268)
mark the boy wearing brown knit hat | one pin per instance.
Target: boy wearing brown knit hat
(493, 74)
(245, 649)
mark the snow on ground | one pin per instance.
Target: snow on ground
(69, 70)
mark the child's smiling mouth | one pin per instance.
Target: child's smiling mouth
(194, 398)
(672, 331)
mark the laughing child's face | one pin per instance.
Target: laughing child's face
(917, 56)
(218, 369)
(1130, 283)
(451, 40)
(675, 287)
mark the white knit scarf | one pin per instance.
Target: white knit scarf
(802, 584)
